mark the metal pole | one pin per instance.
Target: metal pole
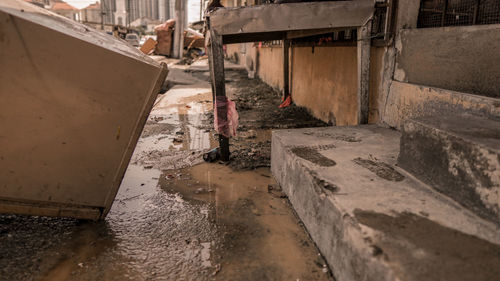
(286, 71)
(102, 14)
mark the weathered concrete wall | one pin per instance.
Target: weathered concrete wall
(462, 58)
(377, 76)
(457, 155)
(407, 100)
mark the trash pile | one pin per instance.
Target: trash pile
(164, 35)
(194, 43)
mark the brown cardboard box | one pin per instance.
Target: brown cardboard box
(148, 46)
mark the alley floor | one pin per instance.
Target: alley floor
(176, 217)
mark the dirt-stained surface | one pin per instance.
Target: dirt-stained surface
(176, 217)
(439, 253)
(381, 169)
(312, 155)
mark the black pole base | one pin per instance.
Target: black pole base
(224, 148)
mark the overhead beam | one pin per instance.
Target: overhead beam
(252, 37)
(311, 32)
(291, 16)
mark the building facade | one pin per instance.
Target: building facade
(91, 14)
(64, 9)
(127, 11)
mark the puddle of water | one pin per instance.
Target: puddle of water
(173, 220)
(260, 237)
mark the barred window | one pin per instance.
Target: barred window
(437, 13)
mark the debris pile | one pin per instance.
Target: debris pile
(164, 35)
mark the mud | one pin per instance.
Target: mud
(176, 218)
(258, 107)
(432, 244)
(381, 169)
(320, 134)
(260, 237)
(323, 184)
(312, 155)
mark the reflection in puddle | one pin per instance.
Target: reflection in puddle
(159, 232)
(174, 220)
(153, 233)
(199, 138)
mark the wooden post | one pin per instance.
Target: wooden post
(364, 42)
(286, 66)
(216, 57)
(210, 58)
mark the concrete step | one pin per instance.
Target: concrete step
(459, 156)
(371, 219)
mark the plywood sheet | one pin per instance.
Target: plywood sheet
(74, 102)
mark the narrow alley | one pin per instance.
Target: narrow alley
(176, 217)
(287, 140)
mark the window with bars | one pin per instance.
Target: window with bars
(437, 13)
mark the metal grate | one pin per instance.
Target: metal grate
(436, 13)
(489, 12)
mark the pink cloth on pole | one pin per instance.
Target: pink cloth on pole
(226, 127)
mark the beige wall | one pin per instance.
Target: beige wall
(323, 81)
(326, 82)
(270, 66)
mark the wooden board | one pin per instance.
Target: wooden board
(291, 16)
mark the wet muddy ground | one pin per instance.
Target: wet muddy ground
(176, 217)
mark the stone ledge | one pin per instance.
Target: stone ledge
(459, 156)
(406, 100)
(372, 220)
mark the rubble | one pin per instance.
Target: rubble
(149, 46)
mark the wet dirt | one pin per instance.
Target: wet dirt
(432, 244)
(260, 237)
(258, 106)
(381, 169)
(312, 155)
(321, 134)
(176, 218)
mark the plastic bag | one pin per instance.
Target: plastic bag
(226, 127)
